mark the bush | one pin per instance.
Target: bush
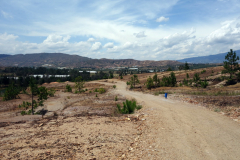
(203, 71)
(95, 90)
(101, 90)
(139, 107)
(230, 82)
(29, 112)
(96, 95)
(128, 107)
(150, 83)
(24, 105)
(114, 86)
(128, 83)
(204, 84)
(11, 92)
(116, 98)
(23, 113)
(51, 92)
(68, 88)
(185, 82)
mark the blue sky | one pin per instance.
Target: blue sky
(119, 29)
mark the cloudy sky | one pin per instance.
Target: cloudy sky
(117, 29)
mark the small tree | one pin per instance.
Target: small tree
(79, 83)
(196, 79)
(134, 80)
(156, 80)
(149, 83)
(169, 69)
(186, 66)
(34, 90)
(173, 79)
(11, 92)
(231, 64)
(187, 75)
(68, 88)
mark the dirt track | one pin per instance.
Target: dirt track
(178, 130)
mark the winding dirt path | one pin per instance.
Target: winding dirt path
(177, 130)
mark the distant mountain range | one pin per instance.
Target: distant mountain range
(75, 61)
(217, 58)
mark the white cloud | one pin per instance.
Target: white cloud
(56, 39)
(162, 19)
(91, 40)
(96, 46)
(108, 45)
(7, 37)
(172, 46)
(140, 34)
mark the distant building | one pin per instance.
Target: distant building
(133, 69)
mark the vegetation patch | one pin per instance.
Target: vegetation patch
(128, 107)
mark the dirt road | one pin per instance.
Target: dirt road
(177, 130)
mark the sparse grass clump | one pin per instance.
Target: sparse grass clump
(217, 110)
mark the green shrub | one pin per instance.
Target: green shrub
(76, 92)
(96, 95)
(128, 107)
(11, 92)
(29, 112)
(25, 105)
(101, 90)
(51, 92)
(231, 82)
(139, 107)
(90, 91)
(68, 88)
(150, 83)
(203, 71)
(86, 89)
(204, 84)
(23, 113)
(116, 98)
(185, 82)
(114, 86)
(128, 83)
(95, 90)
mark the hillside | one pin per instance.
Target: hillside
(218, 58)
(4, 55)
(74, 61)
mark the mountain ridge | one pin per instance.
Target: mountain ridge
(217, 58)
(76, 61)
